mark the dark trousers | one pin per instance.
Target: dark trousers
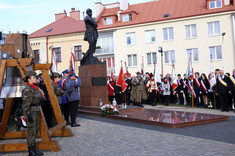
(166, 99)
(223, 98)
(152, 98)
(62, 108)
(111, 99)
(186, 94)
(128, 98)
(181, 98)
(73, 110)
(230, 101)
(66, 111)
(118, 98)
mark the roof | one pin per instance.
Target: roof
(65, 25)
(154, 11)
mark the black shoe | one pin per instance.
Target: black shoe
(75, 125)
(37, 151)
(31, 151)
(68, 123)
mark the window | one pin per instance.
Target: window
(151, 58)
(106, 42)
(58, 54)
(36, 56)
(150, 36)
(191, 31)
(213, 28)
(194, 54)
(132, 60)
(108, 21)
(168, 34)
(169, 57)
(78, 53)
(130, 38)
(127, 18)
(216, 53)
(215, 4)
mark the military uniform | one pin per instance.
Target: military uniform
(57, 90)
(138, 90)
(31, 97)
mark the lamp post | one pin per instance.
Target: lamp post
(160, 50)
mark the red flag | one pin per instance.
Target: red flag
(112, 76)
(121, 80)
(142, 66)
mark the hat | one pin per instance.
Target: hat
(137, 73)
(30, 73)
(73, 75)
(151, 75)
(146, 73)
(65, 71)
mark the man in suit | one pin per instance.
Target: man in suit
(223, 88)
(180, 89)
(196, 87)
(233, 87)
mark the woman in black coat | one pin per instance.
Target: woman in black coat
(204, 87)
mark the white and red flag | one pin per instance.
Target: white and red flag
(174, 84)
(142, 66)
(72, 64)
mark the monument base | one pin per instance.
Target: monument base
(94, 85)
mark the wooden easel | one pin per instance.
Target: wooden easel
(45, 133)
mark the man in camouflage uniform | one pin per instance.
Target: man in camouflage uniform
(31, 97)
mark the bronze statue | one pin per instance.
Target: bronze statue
(91, 35)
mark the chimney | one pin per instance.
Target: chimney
(75, 14)
(60, 15)
(99, 8)
(123, 5)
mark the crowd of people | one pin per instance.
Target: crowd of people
(197, 90)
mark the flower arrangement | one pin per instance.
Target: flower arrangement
(109, 109)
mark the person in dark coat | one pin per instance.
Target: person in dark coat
(196, 87)
(118, 92)
(205, 86)
(232, 78)
(180, 89)
(129, 88)
(185, 89)
(223, 88)
(72, 87)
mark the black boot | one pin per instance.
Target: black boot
(139, 104)
(37, 151)
(31, 151)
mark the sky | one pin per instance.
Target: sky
(31, 15)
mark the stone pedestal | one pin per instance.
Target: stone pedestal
(94, 85)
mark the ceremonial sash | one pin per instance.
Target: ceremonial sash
(110, 86)
(222, 82)
(198, 84)
(190, 87)
(185, 85)
(63, 83)
(178, 82)
(203, 86)
(232, 79)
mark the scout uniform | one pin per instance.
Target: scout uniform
(31, 97)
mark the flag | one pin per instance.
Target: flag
(213, 79)
(112, 76)
(173, 79)
(121, 80)
(189, 72)
(156, 74)
(72, 64)
(126, 70)
(55, 66)
(142, 66)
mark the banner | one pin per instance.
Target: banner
(55, 66)
(156, 74)
(121, 80)
(173, 79)
(72, 64)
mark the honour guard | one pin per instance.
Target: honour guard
(31, 97)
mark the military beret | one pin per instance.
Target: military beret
(30, 73)
(147, 73)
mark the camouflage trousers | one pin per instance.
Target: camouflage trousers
(33, 129)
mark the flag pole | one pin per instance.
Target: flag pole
(213, 90)
(192, 81)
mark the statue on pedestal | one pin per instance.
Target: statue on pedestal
(91, 35)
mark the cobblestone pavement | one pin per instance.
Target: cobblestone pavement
(107, 137)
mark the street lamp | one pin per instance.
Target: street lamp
(160, 50)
